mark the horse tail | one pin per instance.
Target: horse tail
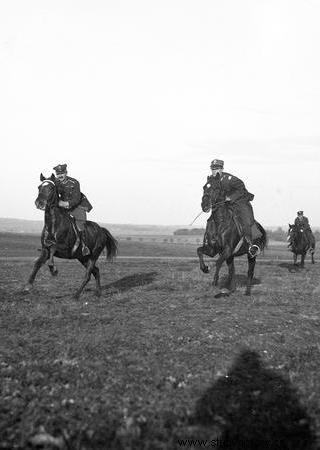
(111, 244)
(262, 241)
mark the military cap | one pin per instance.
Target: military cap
(217, 164)
(60, 168)
(300, 213)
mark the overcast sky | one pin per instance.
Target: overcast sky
(138, 97)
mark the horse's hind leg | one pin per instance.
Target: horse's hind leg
(251, 266)
(96, 274)
(312, 256)
(52, 267)
(89, 265)
(231, 284)
(219, 263)
(39, 262)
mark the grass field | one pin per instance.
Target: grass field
(157, 362)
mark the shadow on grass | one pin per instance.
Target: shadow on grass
(241, 280)
(254, 403)
(291, 267)
(130, 281)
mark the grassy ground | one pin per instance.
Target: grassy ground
(157, 361)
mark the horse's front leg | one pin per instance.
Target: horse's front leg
(295, 256)
(203, 266)
(39, 262)
(251, 266)
(302, 260)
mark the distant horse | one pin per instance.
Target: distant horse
(223, 236)
(68, 244)
(300, 244)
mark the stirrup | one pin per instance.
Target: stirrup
(254, 250)
(85, 250)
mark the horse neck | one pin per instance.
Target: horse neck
(300, 239)
(221, 214)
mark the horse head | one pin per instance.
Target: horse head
(211, 195)
(47, 193)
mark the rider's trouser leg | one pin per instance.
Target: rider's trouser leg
(80, 215)
(244, 212)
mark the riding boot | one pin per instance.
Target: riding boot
(85, 249)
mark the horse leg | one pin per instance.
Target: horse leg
(302, 260)
(96, 274)
(295, 256)
(231, 284)
(39, 262)
(203, 266)
(52, 267)
(251, 266)
(89, 269)
(312, 256)
(219, 263)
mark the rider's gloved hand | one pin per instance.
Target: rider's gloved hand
(63, 204)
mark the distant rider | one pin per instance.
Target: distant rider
(302, 223)
(238, 197)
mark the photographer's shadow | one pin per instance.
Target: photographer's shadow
(254, 403)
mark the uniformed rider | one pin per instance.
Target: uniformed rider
(302, 222)
(239, 199)
(71, 199)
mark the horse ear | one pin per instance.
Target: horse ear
(42, 178)
(52, 177)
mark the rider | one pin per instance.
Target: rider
(238, 196)
(302, 222)
(71, 199)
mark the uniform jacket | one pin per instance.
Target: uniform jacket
(69, 191)
(233, 187)
(303, 222)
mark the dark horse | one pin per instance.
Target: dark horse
(68, 243)
(223, 236)
(300, 244)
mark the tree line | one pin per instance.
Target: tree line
(278, 234)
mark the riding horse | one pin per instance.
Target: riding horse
(300, 244)
(224, 237)
(61, 225)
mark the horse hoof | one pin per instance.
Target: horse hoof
(54, 273)
(98, 293)
(27, 289)
(223, 293)
(205, 269)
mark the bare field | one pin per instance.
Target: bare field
(157, 362)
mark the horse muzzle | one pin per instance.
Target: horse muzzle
(40, 204)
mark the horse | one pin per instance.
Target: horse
(223, 236)
(67, 237)
(300, 244)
